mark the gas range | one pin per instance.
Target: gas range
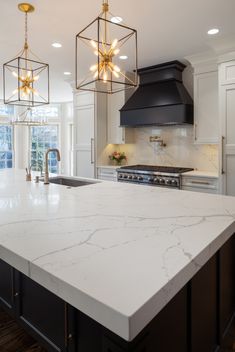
(164, 176)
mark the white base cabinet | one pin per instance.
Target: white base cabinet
(107, 173)
(200, 184)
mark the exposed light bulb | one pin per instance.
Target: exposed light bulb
(36, 78)
(116, 51)
(105, 77)
(14, 74)
(93, 68)
(114, 44)
(93, 44)
(116, 68)
(115, 74)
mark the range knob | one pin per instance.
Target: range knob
(150, 179)
(174, 182)
(168, 182)
(162, 181)
(125, 176)
(134, 177)
(120, 176)
(130, 177)
(140, 178)
(156, 180)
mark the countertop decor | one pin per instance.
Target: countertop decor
(118, 157)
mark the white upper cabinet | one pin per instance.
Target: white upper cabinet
(206, 105)
(90, 130)
(117, 134)
(227, 126)
(206, 115)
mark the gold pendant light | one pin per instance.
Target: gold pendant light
(26, 77)
(27, 118)
(107, 49)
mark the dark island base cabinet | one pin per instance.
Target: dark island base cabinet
(196, 319)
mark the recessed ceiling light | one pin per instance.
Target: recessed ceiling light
(123, 57)
(56, 45)
(67, 73)
(116, 19)
(213, 31)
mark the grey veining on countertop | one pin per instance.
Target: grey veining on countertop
(117, 252)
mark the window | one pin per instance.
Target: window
(43, 138)
(6, 110)
(46, 111)
(6, 150)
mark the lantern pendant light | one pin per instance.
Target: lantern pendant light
(27, 118)
(26, 77)
(107, 50)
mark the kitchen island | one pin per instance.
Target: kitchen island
(112, 267)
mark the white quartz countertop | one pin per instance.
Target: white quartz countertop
(118, 252)
(113, 167)
(198, 173)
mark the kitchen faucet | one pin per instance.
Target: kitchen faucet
(46, 178)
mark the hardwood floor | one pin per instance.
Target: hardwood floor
(13, 338)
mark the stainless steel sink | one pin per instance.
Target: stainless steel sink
(69, 182)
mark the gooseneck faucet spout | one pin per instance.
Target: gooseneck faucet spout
(46, 178)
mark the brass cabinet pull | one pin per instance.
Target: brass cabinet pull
(201, 182)
(92, 151)
(195, 131)
(222, 153)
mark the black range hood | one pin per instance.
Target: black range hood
(160, 99)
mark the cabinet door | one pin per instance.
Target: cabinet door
(227, 111)
(84, 149)
(227, 284)
(43, 314)
(206, 108)
(116, 134)
(6, 285)
(204, 312)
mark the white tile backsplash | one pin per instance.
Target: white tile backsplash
(180, 149)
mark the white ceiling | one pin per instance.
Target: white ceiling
(167, 30)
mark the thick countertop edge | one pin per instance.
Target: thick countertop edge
(126, 327)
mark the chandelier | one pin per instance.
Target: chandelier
(28, 118)
(107, 50)
(26, 76)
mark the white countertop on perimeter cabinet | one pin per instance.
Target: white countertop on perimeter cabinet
(198, 173)
(118, 252)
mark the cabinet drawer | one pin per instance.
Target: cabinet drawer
(108, 174)
(6, 285)
(200, 184)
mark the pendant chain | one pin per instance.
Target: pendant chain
(26, 30)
